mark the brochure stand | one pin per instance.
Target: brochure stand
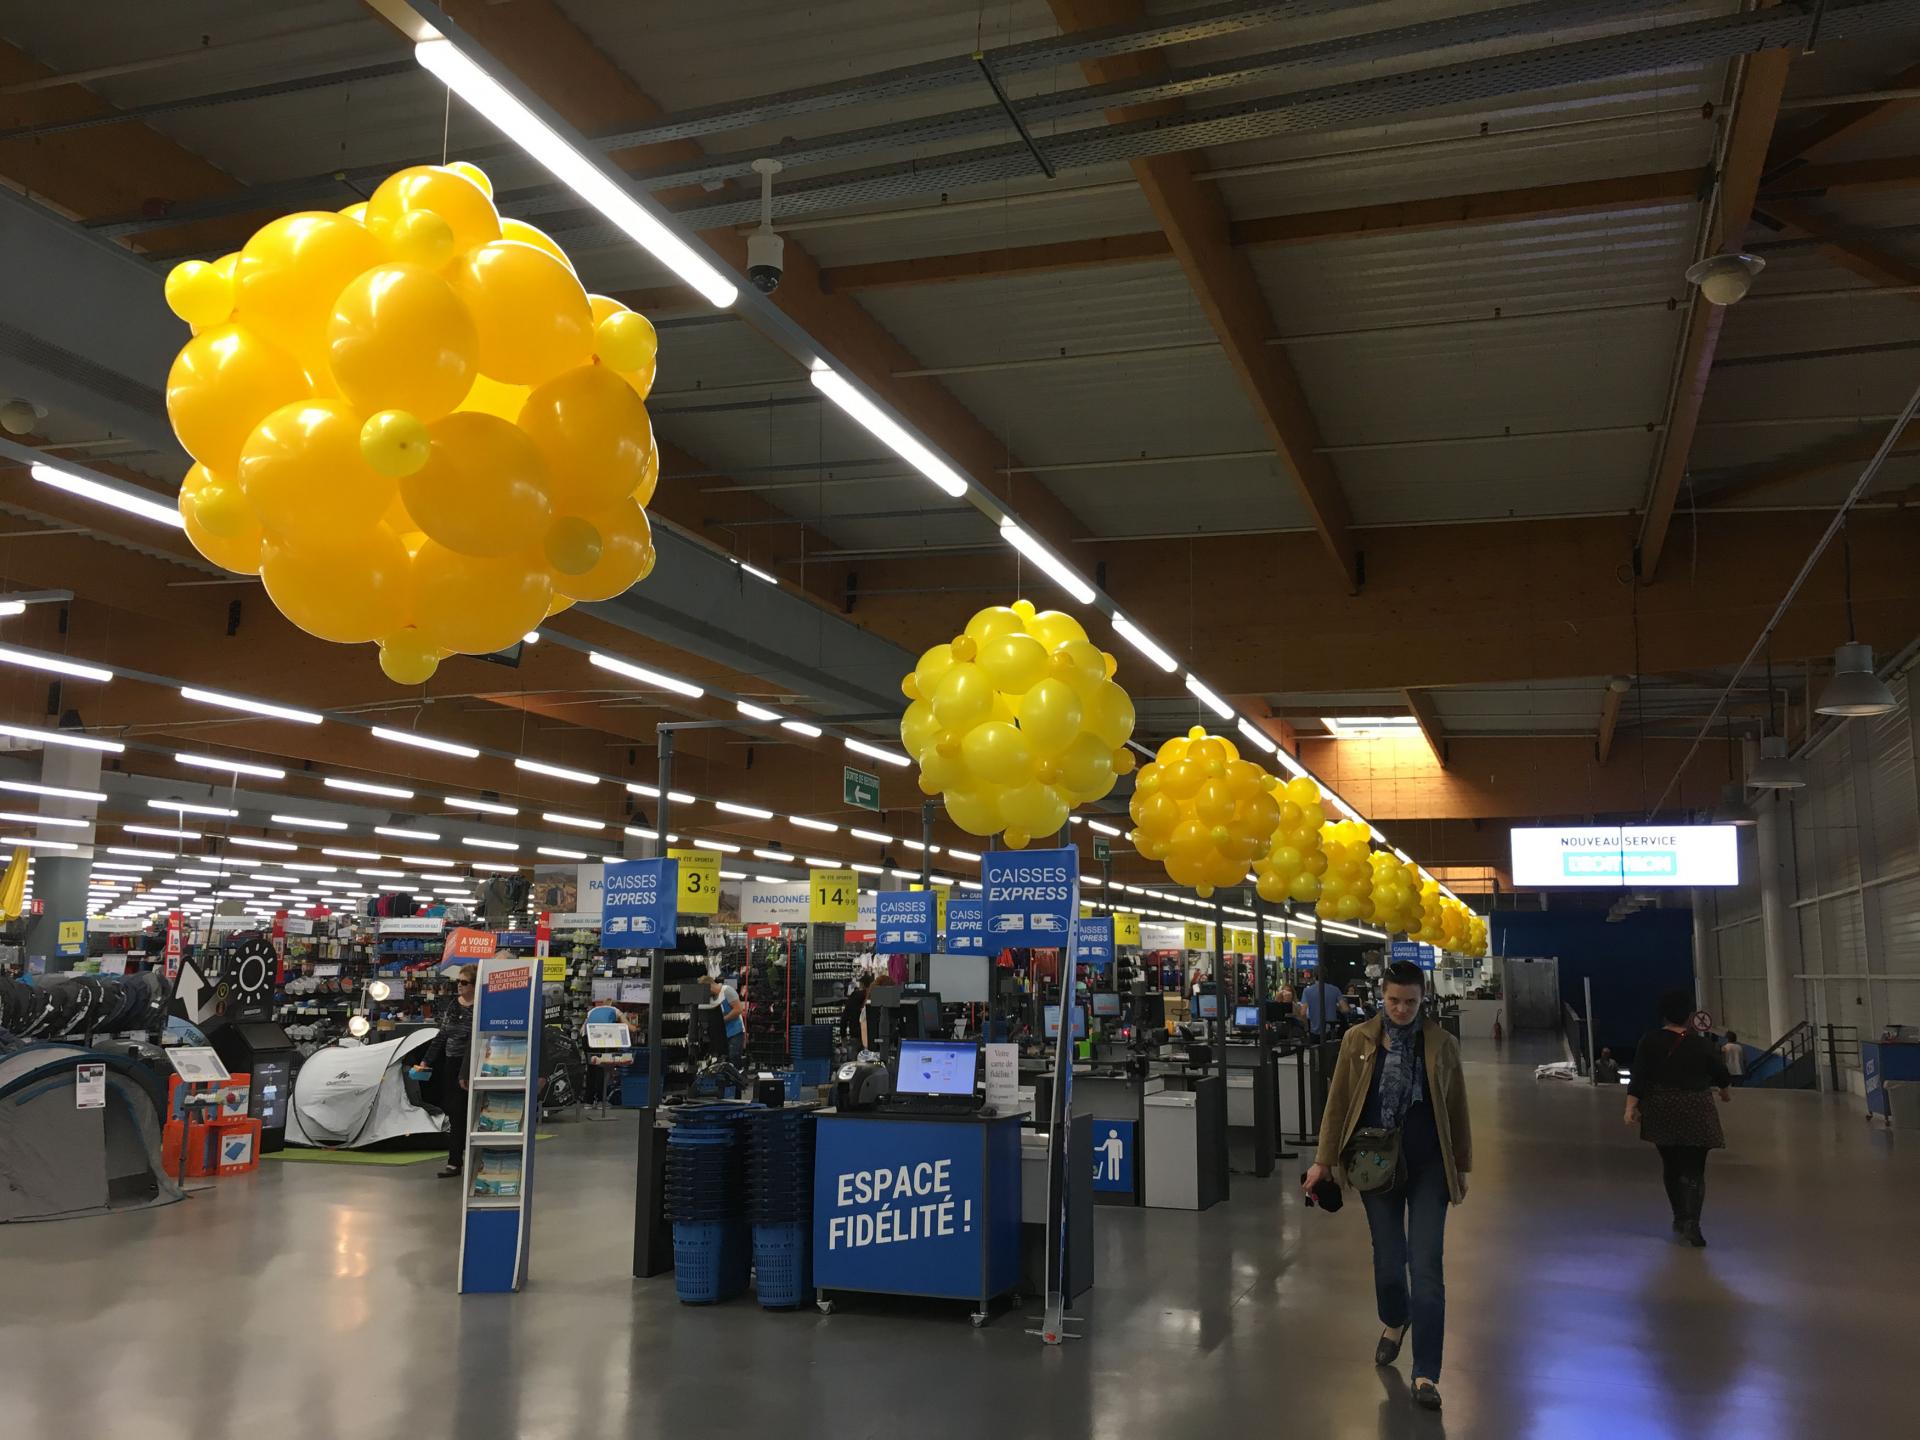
(503, 1110)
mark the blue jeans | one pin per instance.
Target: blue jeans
(1409, 1225)
(737, 1047)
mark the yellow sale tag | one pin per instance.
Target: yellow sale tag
(833, 898)
(1240, 942)
(699, 881)
(940, 894)
(553, 969)
(1126, 928)
(1197, 935)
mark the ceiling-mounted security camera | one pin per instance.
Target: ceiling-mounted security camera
(1725, 279)
(766, 251)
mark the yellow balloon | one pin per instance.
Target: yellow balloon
(355, 212)
(963, 697)
(919, 731)
(199, 294)
(625, 341)
(223, 382)
(420, 237)
(288, 274)
(399, 339)
(558, 603)
(595, 436)
(626, 555)
(572, 545)
(407, 659)
(976, 811)
(1109, 714)
(1086, 768)
(993, 622)
(525, 234)
(394, 443)
(601, 306)
(438, 190)
(348, 593)
(649, 477)
(467, 170)
(532, 316)
(483, 490)
(477, 604)
(238, 551)
(998, 753)
(490, 397)
(1050, 716)
(1035, 808)
(304, 475)
(1015, 663)
(641, 381)
(1054, 628)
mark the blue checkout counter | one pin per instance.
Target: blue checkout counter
(1884, 1060)
(917, 1206)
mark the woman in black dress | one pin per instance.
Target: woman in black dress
(1673, 1071)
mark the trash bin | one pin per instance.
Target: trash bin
(1903, 1104)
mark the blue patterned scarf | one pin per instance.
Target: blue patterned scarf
(1402, 1086)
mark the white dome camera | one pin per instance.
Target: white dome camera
(1725, 279)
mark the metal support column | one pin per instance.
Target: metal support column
(652, 1240)
(1779, 935)
(923, 964)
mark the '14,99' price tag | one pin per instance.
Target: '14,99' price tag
(833, 898)
(699, 881)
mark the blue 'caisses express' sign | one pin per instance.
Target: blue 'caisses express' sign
(903, 922)
(966, 928)
(1029, 896)
(1094, 941)
(639, 907)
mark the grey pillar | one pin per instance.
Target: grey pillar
(1779, 934)
(60, 876)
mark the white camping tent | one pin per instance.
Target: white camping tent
(67, 1151)
(347, 1097)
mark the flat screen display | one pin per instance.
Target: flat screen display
(1619, 856)
(1207, 1007)
(1051, 1015)
(1247, 1017)
(1106, 1003)
(936, 1067)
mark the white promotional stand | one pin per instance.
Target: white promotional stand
(503, 1112)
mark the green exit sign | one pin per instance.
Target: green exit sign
(860, 788)
(1102, 851)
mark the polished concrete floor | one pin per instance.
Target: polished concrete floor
(317, 1301)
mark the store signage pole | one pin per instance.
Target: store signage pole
(923, 964)
(652, 1248)
(1266, 1092)
(1222, 998)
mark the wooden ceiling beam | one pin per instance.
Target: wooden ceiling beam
(1756, 108)
(1802, 464)
(1841, 122)
(1420, 703)
(1609, 718)
(1842, 244)
(1194, 219)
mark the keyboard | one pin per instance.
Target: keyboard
(930, 1104)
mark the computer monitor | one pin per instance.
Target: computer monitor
(936, 1067)
(1207, 1007)
(919, 1017)
(1106, 1004)
(1051, 1018)
(1150, 1010)
(1246, 1017)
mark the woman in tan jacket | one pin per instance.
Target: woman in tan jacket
(1398, 1072)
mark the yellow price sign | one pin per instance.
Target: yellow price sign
(1197, 935)
(73, 937)
(1126, 928)
(699, 881)
(833, 897)
(940, 894)
(553, 969)
(1086, 912)
(1276, 947)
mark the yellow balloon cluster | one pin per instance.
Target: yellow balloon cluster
(1294, 862)
(413, 423)
(1449, 924)
(1396, 893)
(1016, 721)
(1203, 811)
(1346, 890)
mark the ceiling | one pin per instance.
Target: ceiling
(1415, 303)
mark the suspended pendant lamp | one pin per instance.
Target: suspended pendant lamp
(1854, 688)
(1774, 770)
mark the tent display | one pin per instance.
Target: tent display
(58, 1160)
(347, 1097)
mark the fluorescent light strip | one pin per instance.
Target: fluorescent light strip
(757, 574)
(290, 865)
(252, 707)
(557, 772)
(511, 117)
(1143, 642)
(380, 874)
(774, 855)
(755, 712)
(800, 727)
(366, 787)
(122, 865)
(309, 822)
(645, 834)
(257, 843)
(426, 742)
(484, 807)
(52, 792)
(349, 854)
(33, 844)
(161, 830)
(578, 822)
(1051, 565)
(825, 864)
(963, 855)
(13, 607)
(1102, 829)
(861, 747)
(560, 854)
(429, 861)
(188, 807)
(232, 767)
(867, 869)
(1207, 698)
(733, 874)
(826, 827)
(127, 498)
(62, 737)
(1254, 734)
(645, 676)
(401, 832)
(775, 880)
(52, 664)
(139, 854)
(918, 845)
(751, 812)
(887, 430)
(481, 842)
(719, 845)
(874, 835)
(495, 867)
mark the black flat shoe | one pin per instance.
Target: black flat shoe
(1426, 1394)
(1692, 1237)
(1388, 1350)
(447, 1172)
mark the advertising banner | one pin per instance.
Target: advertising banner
(966, 927)
(1029, 897)
(1629, 855)
(1096, 941)
(903, 922)
(638, 904)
